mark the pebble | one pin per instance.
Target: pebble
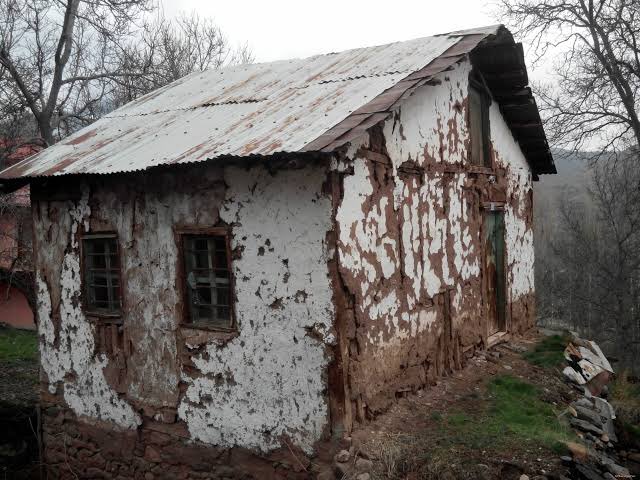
(342, 456)
(363, 465)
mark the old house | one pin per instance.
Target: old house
(17, 297)
(250, 261)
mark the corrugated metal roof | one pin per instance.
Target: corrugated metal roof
(259, 109)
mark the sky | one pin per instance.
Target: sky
(281, 29)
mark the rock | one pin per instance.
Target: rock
(363, 465)
(363, 476)
(566, 460)
(583, 402)
(342, 470)
(326, 475)
(616, 469)
(148, 476)
(586, 426)
(604, 408)
(604, 438)
(598, 384)
(342, 456)
(608, 476)
(634, 457)
(151, 454)
(588, 473)
(573, 376)
(524, 477)
(578, 451)
(589, 415)
(572, 411)
(595, 356)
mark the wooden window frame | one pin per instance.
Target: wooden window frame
(477, 84)
(180, 234)
(86, 306)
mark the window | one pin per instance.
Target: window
(208, 280)
(101, 274)
(479, 102)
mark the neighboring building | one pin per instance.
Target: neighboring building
(16, 269)
(253, 259)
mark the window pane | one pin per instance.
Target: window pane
(220, 243)
(221, 259)
(223, 296)
(208, 280)
(203, 296)
(101, 274)
(200, 244)
(97, 261)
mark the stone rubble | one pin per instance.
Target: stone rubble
(591, 415)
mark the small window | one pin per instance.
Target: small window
(208, 280)
(101, 274)
(479, 102)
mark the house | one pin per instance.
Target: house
(250, 261)
(17, 299)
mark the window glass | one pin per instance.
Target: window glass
(207, 271)
(101, 274)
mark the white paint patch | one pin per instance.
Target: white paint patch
(270, 381)
(364, 235)
(518, 236)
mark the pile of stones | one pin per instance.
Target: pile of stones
(591, 415)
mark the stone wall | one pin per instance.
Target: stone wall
(77, 448)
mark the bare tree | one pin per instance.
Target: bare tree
(597, 256)
(69, 61)
(61, 57)
(170, 49)
(594, 100)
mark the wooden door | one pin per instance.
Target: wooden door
(495, 282)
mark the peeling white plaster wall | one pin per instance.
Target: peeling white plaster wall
(266, 383)
(429, 126)
(72, 362)
(270, 380)
(518, 236)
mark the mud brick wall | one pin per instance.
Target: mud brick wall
(410, 243)
(358, 278)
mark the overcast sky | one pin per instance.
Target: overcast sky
(280, 29)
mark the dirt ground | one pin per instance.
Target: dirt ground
(18, 400)
(441, 432)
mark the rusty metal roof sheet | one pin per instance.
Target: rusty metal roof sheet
(311, 104)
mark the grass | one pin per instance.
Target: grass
(18, 345)
(625, 397)
(549, 352)
(515, 415)
(512, 418)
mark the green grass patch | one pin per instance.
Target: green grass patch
(17, 345)
(549, 352)
(508, 418)
(513, 415)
